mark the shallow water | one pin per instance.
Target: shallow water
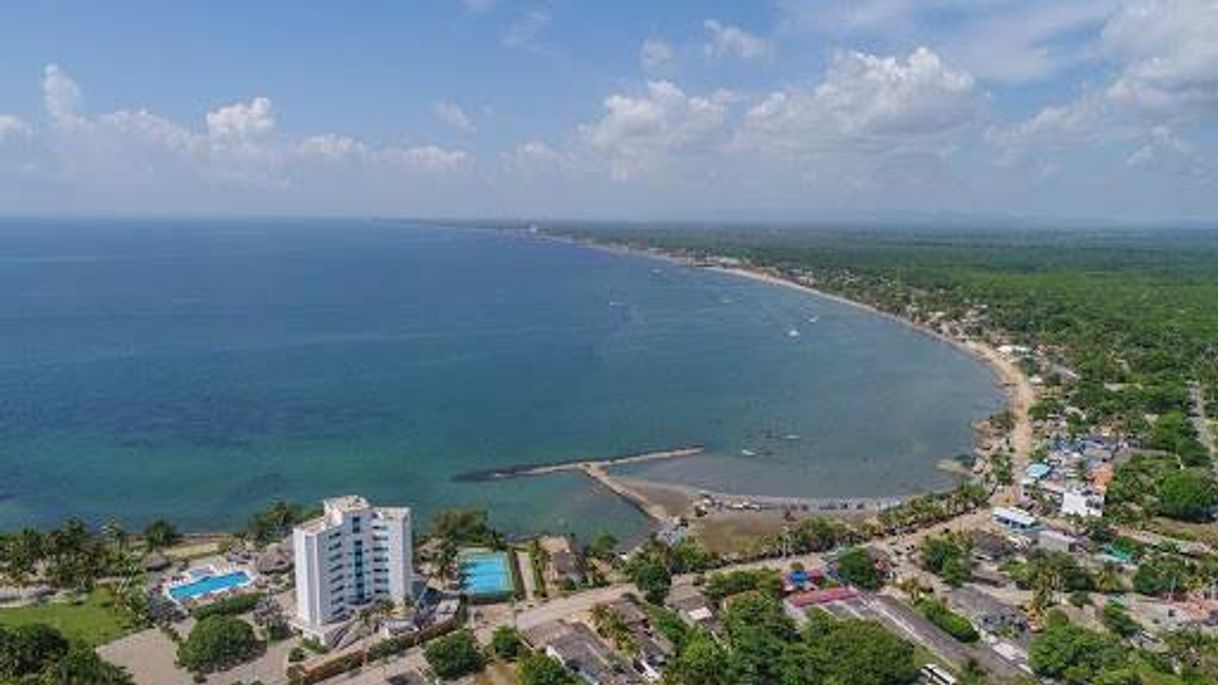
(198, 370)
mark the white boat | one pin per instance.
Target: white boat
(813, 319)
(748, 453)
(793, 333)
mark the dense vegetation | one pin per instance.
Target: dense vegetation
(38, 655)
(763, 646)
(1074, 655)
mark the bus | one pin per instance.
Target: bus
(933, 674)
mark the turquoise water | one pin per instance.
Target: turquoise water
(209, 583)
(485, 573)
(199, 370)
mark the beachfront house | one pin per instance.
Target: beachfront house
(351, 556)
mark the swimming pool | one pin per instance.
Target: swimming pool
(208, 583)
(486, 574)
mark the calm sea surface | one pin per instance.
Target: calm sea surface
(198, 370)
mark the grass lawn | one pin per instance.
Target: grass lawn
(93, 621)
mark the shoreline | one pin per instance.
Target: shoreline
(1015, 384)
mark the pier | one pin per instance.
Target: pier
(527, 470)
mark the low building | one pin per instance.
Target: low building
(694, 609)
(1084, 504)
(1055, 541)
(1017, 520)
(582, 652)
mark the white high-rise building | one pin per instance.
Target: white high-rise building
(352, 555)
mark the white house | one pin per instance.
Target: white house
(352, 555)
(1077, 503)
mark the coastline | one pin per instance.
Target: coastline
(1020, 394)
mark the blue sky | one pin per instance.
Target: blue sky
(791, 109)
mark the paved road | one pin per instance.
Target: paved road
(904, 620)
(570, 605)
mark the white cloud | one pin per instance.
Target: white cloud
(242, 119)
(725, 40)
(1170, 51)
(60, 95)
(637, 133)
(534, 157)
(995, 40)
(234, 155)
(426, 158)
(1165, 54)
(656, 56)
(331, 146)
(525, 28)
(866, 99)
(11, 126)
(452, 114)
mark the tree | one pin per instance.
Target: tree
(1188, 495)
(652, 578)
(506, 642)
(454, 655)
(602, 546)
(20, 554)
(856, 567)
(947, 557)
(464, 527)
(539, 669)
(28, 649)
(82, 666)
(863, 653)
(701, 662)
(160, 534)
(1073, 654)
(1161, 576)
(1117, 619)
(217, 643)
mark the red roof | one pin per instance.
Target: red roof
(800, 600)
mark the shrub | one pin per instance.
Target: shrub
(506, 642)
(952, 623)
(229, 606)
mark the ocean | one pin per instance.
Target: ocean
(197, 370)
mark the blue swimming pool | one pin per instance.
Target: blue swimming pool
(208, 584)
(486, 574)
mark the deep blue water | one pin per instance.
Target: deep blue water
(197, 370)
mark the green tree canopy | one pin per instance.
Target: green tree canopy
(855, 566)
(454, 655)
(539, 669)
(217, 643)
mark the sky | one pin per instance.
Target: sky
(765, 109)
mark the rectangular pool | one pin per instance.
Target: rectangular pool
(206, 584)
(486, 574)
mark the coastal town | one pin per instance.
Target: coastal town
(1034, 559)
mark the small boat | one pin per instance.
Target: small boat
(793, 333)
(813, 319)
(790, 436)
(748, 453)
